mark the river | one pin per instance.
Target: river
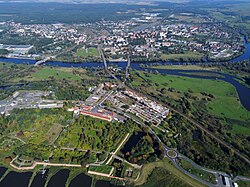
(242, 90)
(22, 179)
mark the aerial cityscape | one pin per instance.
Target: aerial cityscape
(125, 93)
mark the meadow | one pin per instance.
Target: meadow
(89, 52)
(225, 104)
(163, 173)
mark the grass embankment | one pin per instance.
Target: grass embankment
(163, 172)
(101, 169)
(209, 177)
(243, 183)
(89, 52)
(204, 74)
(194, 56)
(183, 67)
(226, 102)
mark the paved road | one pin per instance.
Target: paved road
(200, 126)
(219, 182)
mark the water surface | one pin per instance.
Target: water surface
(15, 179)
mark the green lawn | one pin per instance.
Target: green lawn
(225, 104)
(49, 73)
(89, 52)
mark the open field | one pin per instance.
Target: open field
(89, 52)
(189, 18)
(168, 175)
(199, 173)
(49, 73)
(225, 103)
(238, 129)
(195, 56)
(16, 73)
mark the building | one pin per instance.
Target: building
(17, 49)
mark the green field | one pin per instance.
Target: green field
(196, 56)
(209, 177)
(238, 129)
(163, 173)
(89, 52)
(183, 67)
(101, 169)
(225, 104)
(49, 73)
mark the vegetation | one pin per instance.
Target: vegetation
(89, 133)
(224, 101)
(141, 149)
(188, 56)
(101, 169)
(182, 67)
(163, 173)
(89, 52)
(199, 173)
(50, 73)
(202, 100)
(67, 83)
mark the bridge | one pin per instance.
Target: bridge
(40, 62)
(127, 68)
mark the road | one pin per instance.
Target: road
(200, 126)
(41, 163)
(238, 153)
(123, 160)
(216, 173)
(40, 62)
(118, 148)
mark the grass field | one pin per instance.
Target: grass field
(225, 104)
(238, 129)
(183, 67)
(163, 173)
(49, 73)
(89, 52)
(199, 173)
(53, 133)
(101, 169)
(185, 57)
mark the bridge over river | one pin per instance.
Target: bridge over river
(40, 62)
